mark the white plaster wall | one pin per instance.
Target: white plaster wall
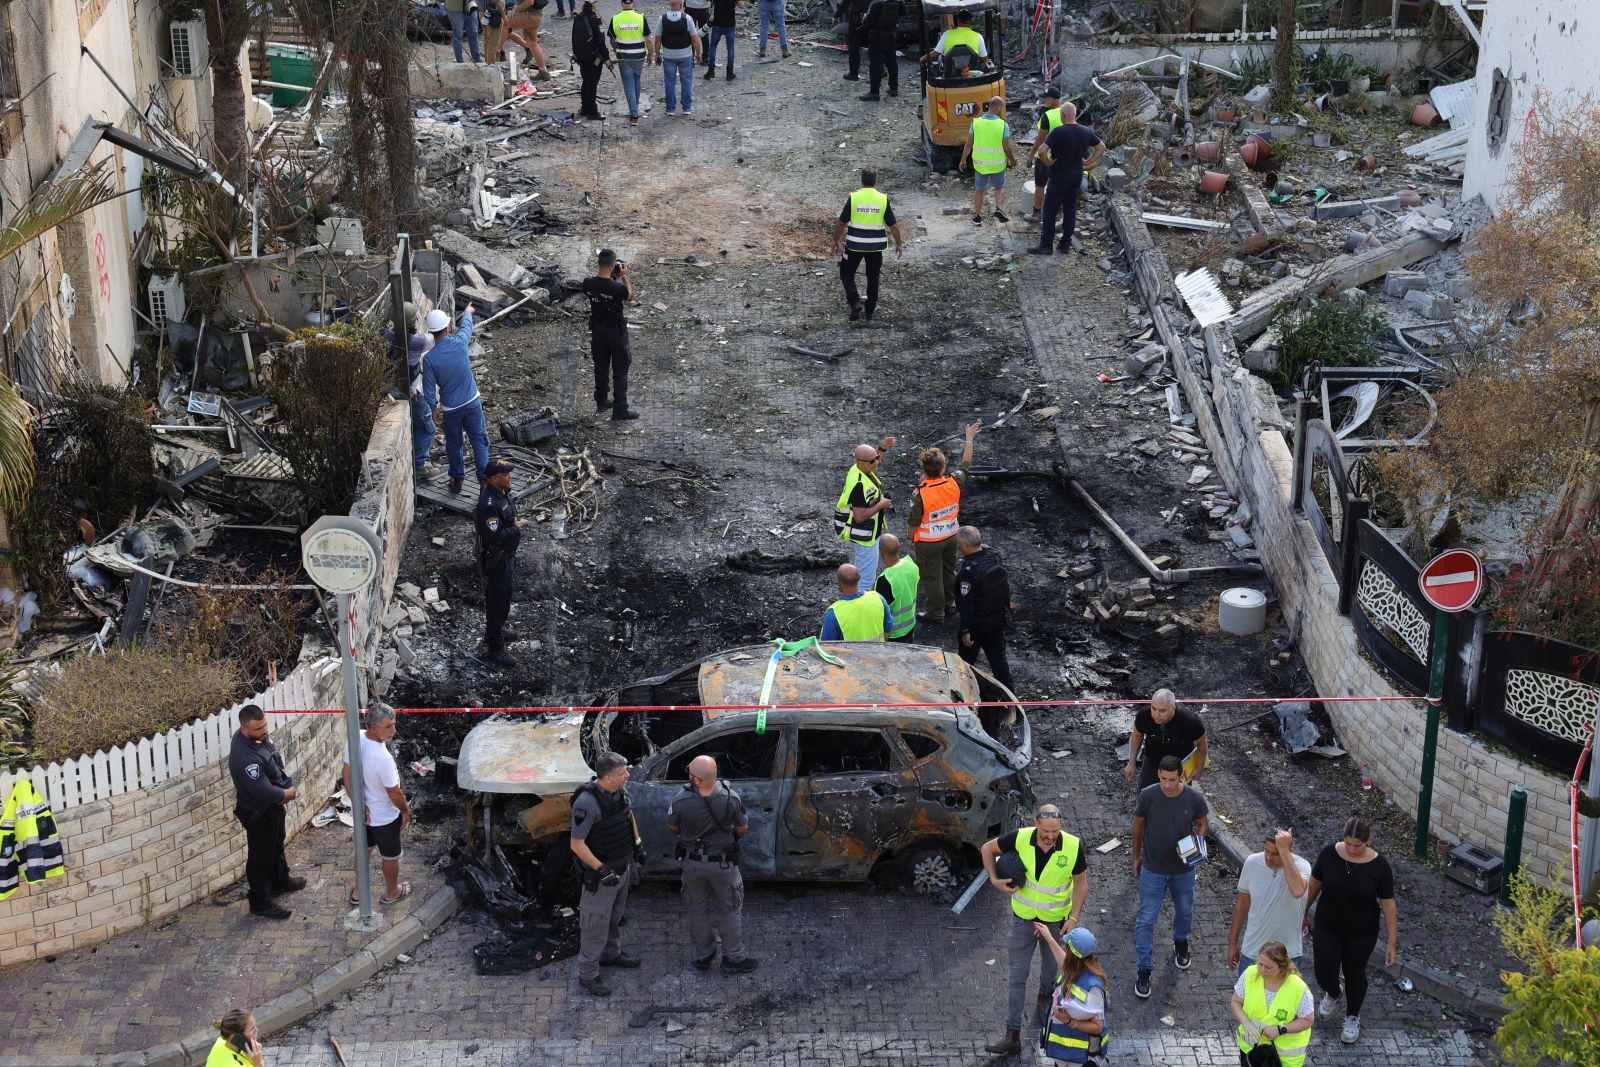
(1548, 44)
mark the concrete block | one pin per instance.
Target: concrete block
(1116, 179)
(341, 978)
(458, 81)
(1400, 282)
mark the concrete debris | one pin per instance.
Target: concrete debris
(1398, 283)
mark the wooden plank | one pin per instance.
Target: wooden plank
(116, 780)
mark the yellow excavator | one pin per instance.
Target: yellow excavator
(961, 77)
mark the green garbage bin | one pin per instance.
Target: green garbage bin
(291, 66)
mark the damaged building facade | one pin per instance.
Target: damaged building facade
(68, 300)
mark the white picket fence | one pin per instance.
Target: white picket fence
(153, 760)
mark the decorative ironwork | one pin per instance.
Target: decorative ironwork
(1552, 703)
(1385, 605)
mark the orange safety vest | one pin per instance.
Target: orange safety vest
(941, 507)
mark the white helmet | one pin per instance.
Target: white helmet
(437, 320)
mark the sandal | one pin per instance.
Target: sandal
(355, 900)
(405, 891)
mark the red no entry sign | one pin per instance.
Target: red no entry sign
(1452, 580)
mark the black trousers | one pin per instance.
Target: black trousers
(847, 274)
(909, 638)
(609, 346)
(265, 867)
(590, 72)
(855, 39)
(497, 581)
(1334, 952)
(1060, 198)
(884, 59)
(992, 643)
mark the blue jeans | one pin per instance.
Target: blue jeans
(719, 33)
(631, 71)
(866, 562)
(771, 12)
(421, 433)
(1152, 887)
(680, 79)
(467, 420)
(464, 22)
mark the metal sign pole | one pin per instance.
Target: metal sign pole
(1589, 848)
(1430, 739)
(352, 733)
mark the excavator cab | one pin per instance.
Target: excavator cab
(957, 83)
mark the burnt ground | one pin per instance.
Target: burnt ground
(758, 439)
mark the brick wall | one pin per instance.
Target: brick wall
(1240, 422)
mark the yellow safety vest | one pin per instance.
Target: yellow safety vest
(1052, 119)
(845, 526)
(1285, 1006)
(903, 578)
(860, 618)
(956, 36)
(866, 231)
(29, 844)
(989, 144)
(225, 1055)
(1045, 895)
(627, 27)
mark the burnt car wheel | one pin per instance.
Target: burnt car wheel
(931, 869)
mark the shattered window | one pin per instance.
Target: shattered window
(740, 755)
(921, 745)
(843, 752)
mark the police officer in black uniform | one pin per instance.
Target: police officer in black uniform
(983, 599)
(605, 838)
(708, 820)
(499, 531)
(880, 25)
(263, 787)
(609, 292)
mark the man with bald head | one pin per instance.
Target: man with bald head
(860, 513)
(898, 578)
(1163, 729)
(989, 147)
(708, 820)
(857, 615)
(1070, 149)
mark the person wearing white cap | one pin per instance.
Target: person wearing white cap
(1076, 1030)
(448, 385)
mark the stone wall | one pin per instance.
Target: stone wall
(1240, 423)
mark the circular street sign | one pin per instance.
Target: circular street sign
(339, 553)
(1452, 580)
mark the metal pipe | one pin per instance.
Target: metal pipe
(1511, 858)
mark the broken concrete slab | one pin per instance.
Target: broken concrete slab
(457, 81)
(497, 265)
(1345, 209)
(1399, 283)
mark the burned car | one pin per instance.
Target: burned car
(837, 782)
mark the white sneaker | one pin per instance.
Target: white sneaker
(1352, 1029)
(1327, 1005)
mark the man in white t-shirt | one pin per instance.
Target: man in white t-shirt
(1272, 885)
(388, 811)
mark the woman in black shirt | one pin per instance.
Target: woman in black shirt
(1354, 885)
(589, 49)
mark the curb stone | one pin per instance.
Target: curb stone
(284, 1011)
(1483, 1002)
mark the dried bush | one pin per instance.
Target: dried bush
(251, 629)
(326, 384)
(111, 461)
(15, 752)
(99, 702)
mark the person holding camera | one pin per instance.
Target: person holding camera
(605, 838)
(708, 820)
(609, 291)
(238, 1043)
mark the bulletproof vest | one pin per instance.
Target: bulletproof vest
(991, 590)
(610, 839)
(675, 33)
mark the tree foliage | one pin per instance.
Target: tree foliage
(1555, 1000)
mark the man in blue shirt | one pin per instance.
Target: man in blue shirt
(449, 386)
(846, 622)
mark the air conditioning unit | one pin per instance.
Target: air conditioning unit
(188, 50)
(166, 300)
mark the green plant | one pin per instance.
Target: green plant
(100, 702)
(1327, 333)
(1555, 1000)
(326, 384)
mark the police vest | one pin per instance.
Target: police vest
(29, 845)
(223, 1054)
(627, 28)
(957, 36)
(988, 144)
(1284, 1008)
(845, 525)
(1062, 1040)
(1052, 119)
(1045, 895)
(675, 32)
(941, 509)
(903, 578)
(611, 839)
(865, 231)
(860, 618)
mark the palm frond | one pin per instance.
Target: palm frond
(50, 205)
(16, 447)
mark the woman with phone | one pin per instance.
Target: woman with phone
(238, 1043)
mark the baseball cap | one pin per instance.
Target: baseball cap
(1052, 93)
(496, 466)
(1080, 941)
(437, 320)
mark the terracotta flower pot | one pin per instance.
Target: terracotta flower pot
(1226, 114)
(1208, 151)
(1409, 198)
(1424, 115)
(1249, 153)
(1213, 182)
(1367, 163)
(1263, 146)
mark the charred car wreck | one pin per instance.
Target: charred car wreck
(837, 792)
